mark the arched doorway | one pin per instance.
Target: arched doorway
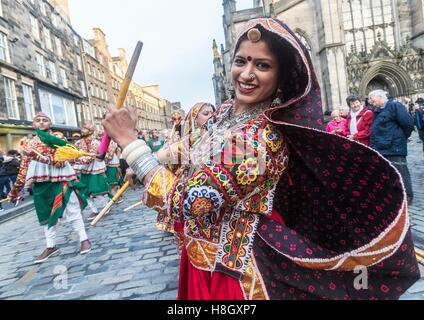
(389, 77)
(382, 83)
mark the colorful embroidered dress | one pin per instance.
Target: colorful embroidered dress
(92, 171)
(179, 161)
(52, 185)
(275, 208)
(113, 171)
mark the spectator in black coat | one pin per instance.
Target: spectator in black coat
(392, 127)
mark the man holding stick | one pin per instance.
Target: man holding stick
(92, 171)
(56, 189)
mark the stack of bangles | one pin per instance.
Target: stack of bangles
(140, 158)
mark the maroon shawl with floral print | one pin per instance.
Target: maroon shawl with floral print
(344, 206)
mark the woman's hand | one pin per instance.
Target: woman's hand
(120, 125)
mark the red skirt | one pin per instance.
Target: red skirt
(195, 284)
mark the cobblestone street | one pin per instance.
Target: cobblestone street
(130, 258)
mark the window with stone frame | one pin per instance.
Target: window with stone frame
(64, 78)
(47, 38)
(54, 19)
(4, 48)
(79, 63)
(35, 27)
(28, 102)
(43, 8)
(83, 90)
(51, 72)
(60, 109)
(10, 98)
(58, 44)
(367, 22)
(41, 64)
(71, 118)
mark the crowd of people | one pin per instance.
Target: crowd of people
(383, 124)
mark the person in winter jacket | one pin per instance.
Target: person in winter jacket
(390, 132)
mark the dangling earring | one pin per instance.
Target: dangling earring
(277, 101)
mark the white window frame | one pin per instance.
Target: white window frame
(54, 20)
(79, 63)
(64, 78)
(35, 27)
(58, 44)
(1, 9)
(52, 70)
(29, 106)
(4, 47)
(43, 8)
(83, 89)
(11, 99)
(76, 40)
(41, 64)
(68, 106)
(47, 38)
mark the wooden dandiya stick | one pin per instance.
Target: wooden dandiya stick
(8, 199)
(38, 153)
(420, 259)
(419, 252)
(104, 145)
(134, 206)
(111, 203)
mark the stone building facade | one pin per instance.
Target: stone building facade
(151, 108)
(96, 82)
(40, 70)
(46, 66)
(356, 45)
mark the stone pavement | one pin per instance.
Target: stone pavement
(416, 210)
(130, 258)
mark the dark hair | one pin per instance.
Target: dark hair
(280, 48)
(12, 153)
(351, 99)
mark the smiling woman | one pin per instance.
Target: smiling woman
(272, 207)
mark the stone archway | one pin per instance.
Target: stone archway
(389, 77)
(380, 82)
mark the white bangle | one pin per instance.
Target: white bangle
(137, 153)
(131, 147)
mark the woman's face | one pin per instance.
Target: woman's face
(204, 115)
(337, 117)
(254, 73)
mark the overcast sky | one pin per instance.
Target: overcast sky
(177, 37)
